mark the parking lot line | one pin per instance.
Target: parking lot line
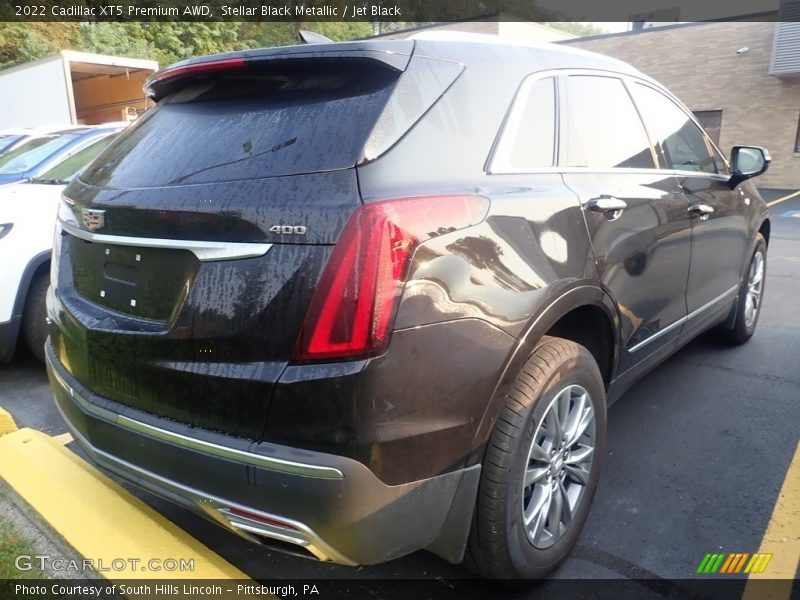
(782, 538)
(100, 519)
(784, 198)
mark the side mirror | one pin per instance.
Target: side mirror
(747, 162)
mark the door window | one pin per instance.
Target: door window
(682, 141)
(528, 140)
(603, 129)
(711, 120)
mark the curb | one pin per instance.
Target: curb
(97, 517)
(7, 424)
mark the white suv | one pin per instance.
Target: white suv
(27, 219)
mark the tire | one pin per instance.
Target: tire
(34, 316)
(500, 546)
(744, 324)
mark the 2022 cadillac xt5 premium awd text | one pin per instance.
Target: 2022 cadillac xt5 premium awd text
(364, 298)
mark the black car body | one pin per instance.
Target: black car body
(296, 295)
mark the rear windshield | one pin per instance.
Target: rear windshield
(31, 153)
(241, 127)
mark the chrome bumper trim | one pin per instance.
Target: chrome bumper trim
(273, 464)
(205, 251)
(218, 509)
(683, 320)
(258, 460)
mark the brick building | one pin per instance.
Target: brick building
(742, 79)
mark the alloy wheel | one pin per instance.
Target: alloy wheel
(558, 466)
(755, 285)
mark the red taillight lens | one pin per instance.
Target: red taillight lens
(209, 66)
(353, 307)
(260, 518)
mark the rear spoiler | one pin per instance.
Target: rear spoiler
(392, 54)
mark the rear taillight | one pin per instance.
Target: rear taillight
(197, 69)
(353, 307)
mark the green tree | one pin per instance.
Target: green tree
(340, 31)
(270, 33)
(575, 28)
(23, 42)
(119, 39)
(177, 41)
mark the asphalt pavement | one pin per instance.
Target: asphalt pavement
(697, 453)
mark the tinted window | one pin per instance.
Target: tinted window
(682, 141)
(248, 128)
(7, 140)
(603, 127)
(719, 162)
(711, 120)
(64, 171)
(529, 136)
(33, 152)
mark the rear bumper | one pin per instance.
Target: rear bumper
(326, 506)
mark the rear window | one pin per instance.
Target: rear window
(528, 138)
(249, 127)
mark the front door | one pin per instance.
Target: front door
(719, 233)
(635, 213)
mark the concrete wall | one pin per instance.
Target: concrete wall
(699, 64)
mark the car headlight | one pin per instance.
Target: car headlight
(4, 229)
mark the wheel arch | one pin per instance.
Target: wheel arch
(565, 316)
(10, 335)
(37, 265)
(764, 229)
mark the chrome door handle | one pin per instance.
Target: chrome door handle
(701, 210)
(608, 206)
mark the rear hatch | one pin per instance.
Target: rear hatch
(190, 249)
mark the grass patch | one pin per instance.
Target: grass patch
(12, 545)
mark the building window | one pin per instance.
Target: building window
(711, 120)
(797, 138)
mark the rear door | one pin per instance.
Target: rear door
(635, 214)
(717, 213)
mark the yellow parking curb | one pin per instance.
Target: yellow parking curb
(781, 541)
(7, 424)
(101, 520)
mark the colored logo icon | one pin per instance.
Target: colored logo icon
(734, 562)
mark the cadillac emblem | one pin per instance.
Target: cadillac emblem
(93, 219)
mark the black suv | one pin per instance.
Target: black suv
(357, 299)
